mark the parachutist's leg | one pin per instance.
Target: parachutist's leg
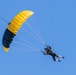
(58, 56)
(55, 59)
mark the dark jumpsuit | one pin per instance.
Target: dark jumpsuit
(52, 54)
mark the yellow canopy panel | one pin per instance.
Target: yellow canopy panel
(18, 20)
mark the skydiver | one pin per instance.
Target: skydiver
(48, 51)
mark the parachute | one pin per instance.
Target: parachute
(13, 28)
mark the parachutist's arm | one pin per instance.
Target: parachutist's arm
(45, 53)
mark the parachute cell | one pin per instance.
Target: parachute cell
(13, 28)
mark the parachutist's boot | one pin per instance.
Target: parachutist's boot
(63, 57)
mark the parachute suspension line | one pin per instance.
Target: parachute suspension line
(35, 33)
(26, 46)
(4, 19)
(22, 49)
(30, 34)
(34, 23)
(24, 40)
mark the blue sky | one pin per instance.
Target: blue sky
(55, 23)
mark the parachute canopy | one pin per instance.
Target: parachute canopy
(13, 28)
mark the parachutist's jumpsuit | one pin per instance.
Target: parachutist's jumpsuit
(50, 52)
